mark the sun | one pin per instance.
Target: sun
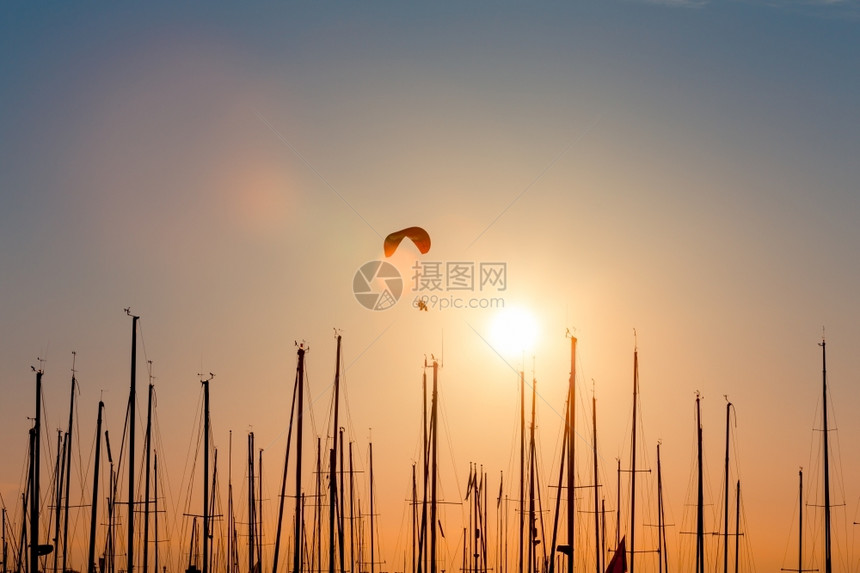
(513, 331)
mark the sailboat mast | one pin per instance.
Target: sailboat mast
(532, 528)
(252, 527)
(297, 554)
(332, 464)
(316, 563)
(155, 505)
(433, 469)
(800, 524)
(507, 520)
(28, 504)
(305, 554)
(414, 517)
(737, 524)
(571, 429)
(205, 476)
(602, 531)
(633, 462)
(284, 481)
(422, 534)
(726, 496)
(499, 520)
(260, 509)
(597, 552)
(340, 507)
(700, 514)
(210, 558)
(20, 564)
(471, 540)
(372, 532)
(109, 542)
(522, 464)
(332, 481)
(480, 536)
(34, 474)
(3, 556)
(553, 547)
(59, 470)
(191, 549)
(485, 525)
(232, 533)
(464, 563)
(229, 504)
(147, 479)
(132, 402)
(351, 516)
(68, 464)
(360, 537)
(618, 502)
(828, 568)
(661, 519)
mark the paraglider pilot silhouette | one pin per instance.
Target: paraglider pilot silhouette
(377, 285)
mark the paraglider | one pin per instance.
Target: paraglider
(418, 236)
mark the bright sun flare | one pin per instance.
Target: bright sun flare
(513, 331)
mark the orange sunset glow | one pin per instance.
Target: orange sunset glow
(425, 288)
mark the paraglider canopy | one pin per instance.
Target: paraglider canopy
(418, 236)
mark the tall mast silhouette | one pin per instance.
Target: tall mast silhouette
(132, 403)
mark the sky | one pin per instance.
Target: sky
(684, 170)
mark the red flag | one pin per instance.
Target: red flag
(619, 560)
